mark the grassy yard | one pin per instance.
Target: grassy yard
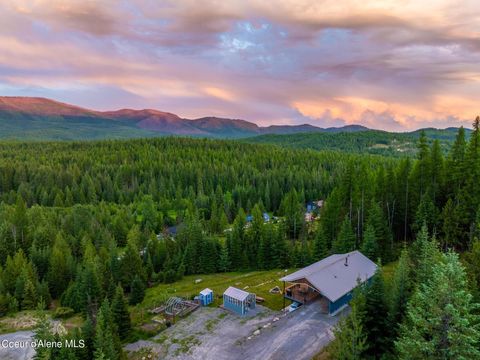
(258, 282)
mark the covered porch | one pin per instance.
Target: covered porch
(301, 292)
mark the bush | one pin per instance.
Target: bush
(63, 312)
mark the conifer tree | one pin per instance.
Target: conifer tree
(345, 240)
(131, 264)
(137, 292)
(292, 209)
(401, 289)
(375, 318)
(224, 260)
(29, 300)
(120, 313)
(370, 245)
(350, 338)
(441, 322)
(320, 246)
(105, 335)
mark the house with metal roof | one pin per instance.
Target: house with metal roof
(331, 280)
(238, 301)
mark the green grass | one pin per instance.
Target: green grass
(258, 282)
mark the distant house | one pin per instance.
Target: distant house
(331, 280)
(168, 232)
(206, 297)
(309, 217)
(310, 207)
(238, 301)
(266, 217)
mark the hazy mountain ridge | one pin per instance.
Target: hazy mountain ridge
(37, 118)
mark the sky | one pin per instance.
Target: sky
(386, 64)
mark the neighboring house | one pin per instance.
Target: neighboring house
(309, 217)
(206, 297)
(266, 217)
(331, 280)
(238, 301)
(168, 232)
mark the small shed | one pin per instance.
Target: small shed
(238, 301)
(206, 297)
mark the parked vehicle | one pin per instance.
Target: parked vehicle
(294, 306)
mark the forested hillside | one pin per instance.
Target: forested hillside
(365, 141)
(84, 223)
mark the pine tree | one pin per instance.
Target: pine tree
(375, 319)
(350, 339)
(345, 240)
(292, 209)
(280, 252)
(20, 224)
(224, 260)
(376, 219)
(29, 300)
(105, 334)
(120, 313)
(320, 246)
(137, 292)
(60, 266)
(424, 255)
(370, 245)
(440, 320)
(401, 289)
(472, 264)
(131, 264)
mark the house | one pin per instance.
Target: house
(206, 297)
(168, 232)
(238, 301)
(331, 280)
(309, 217)
(266, 217)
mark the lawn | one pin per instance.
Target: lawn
(258, 282)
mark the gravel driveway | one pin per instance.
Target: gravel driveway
(20, 353)
(213, 333)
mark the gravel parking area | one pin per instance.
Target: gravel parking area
(219, 334)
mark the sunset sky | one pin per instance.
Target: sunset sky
(389, 64)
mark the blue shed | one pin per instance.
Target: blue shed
(238, 301)
(206, 297)
(331, 280)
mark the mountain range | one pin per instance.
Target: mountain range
(41, 118)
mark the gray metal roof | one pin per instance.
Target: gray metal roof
(332, 278)
(236, 293)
